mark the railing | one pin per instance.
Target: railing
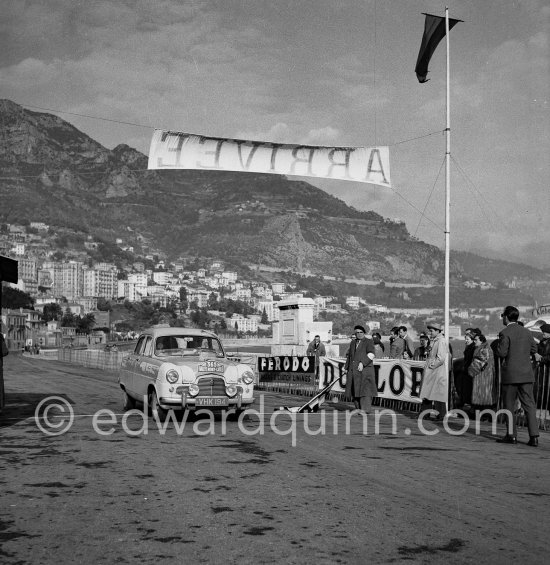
(93, 358)
(541, 394)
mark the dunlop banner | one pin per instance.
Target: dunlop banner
(396, 379)
(177, 150)
(287, 369)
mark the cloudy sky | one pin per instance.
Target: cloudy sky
(320, 72)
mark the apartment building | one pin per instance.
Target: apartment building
(128, 290)
(243, 294)
(100, 283)
(27, 269)
(228, 277)
(242, 324)
(353, 302)
(139, 279)
(278, 288)
(14, 328)
(162, 277)
(271, 311)
(67, 278)
(198, 296)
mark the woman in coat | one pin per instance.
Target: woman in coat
(435, 382)
(464, 380)
(482, 373)
(378, 346)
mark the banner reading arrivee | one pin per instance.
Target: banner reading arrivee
(178, 150)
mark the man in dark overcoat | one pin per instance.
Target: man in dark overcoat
(515, 346)
(360, 379)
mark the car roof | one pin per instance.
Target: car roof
(156, 332)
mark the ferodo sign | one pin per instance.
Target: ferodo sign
(395, 379)
(287, 369)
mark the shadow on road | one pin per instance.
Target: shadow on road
(22, 405)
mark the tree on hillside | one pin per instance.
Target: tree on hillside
(183, 297)
(58, 256)
(178, 323)
(52, 311)
(199, 318)
(212, 301)
(15, 298)
(86, 323)
(104, 305)
(264, 319)
(69, 319)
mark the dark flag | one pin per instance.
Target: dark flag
(434, 32)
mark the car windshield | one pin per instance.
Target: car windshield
(187, 345)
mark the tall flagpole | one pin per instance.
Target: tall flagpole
(447, 190)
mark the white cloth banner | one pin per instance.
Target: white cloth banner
(396, 379)
(177, 150)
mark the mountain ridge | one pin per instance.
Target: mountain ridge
(57, 174)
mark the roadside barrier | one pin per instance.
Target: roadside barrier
(111, 360)
(93, 358)
(541, 392)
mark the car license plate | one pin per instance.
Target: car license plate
(211, 401)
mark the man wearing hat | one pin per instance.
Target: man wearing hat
(360, 379)
(316, 348)
(515, 347)
(435, 382)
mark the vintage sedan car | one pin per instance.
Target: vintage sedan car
(181, 369)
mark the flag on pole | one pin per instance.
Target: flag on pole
(434, 32)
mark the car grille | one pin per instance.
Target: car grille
(211, 386)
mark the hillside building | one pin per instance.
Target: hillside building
(67, 278)
(100, 283)
(127, 290)
(162, 277)
(278, 288)
(242, 324)
(271, 311)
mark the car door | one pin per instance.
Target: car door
(125, 371)
(133, 365)
(143, 368)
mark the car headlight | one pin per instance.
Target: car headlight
(231, 390)
(248, 377)
(172, 376)
(194, 389)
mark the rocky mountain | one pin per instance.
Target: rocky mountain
(54, 173)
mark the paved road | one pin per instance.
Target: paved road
(184, 496)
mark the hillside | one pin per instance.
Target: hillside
(54, 173)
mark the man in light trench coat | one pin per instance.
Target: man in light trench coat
(360, 377)
(435, 382)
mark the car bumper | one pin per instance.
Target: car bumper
(208, 403)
